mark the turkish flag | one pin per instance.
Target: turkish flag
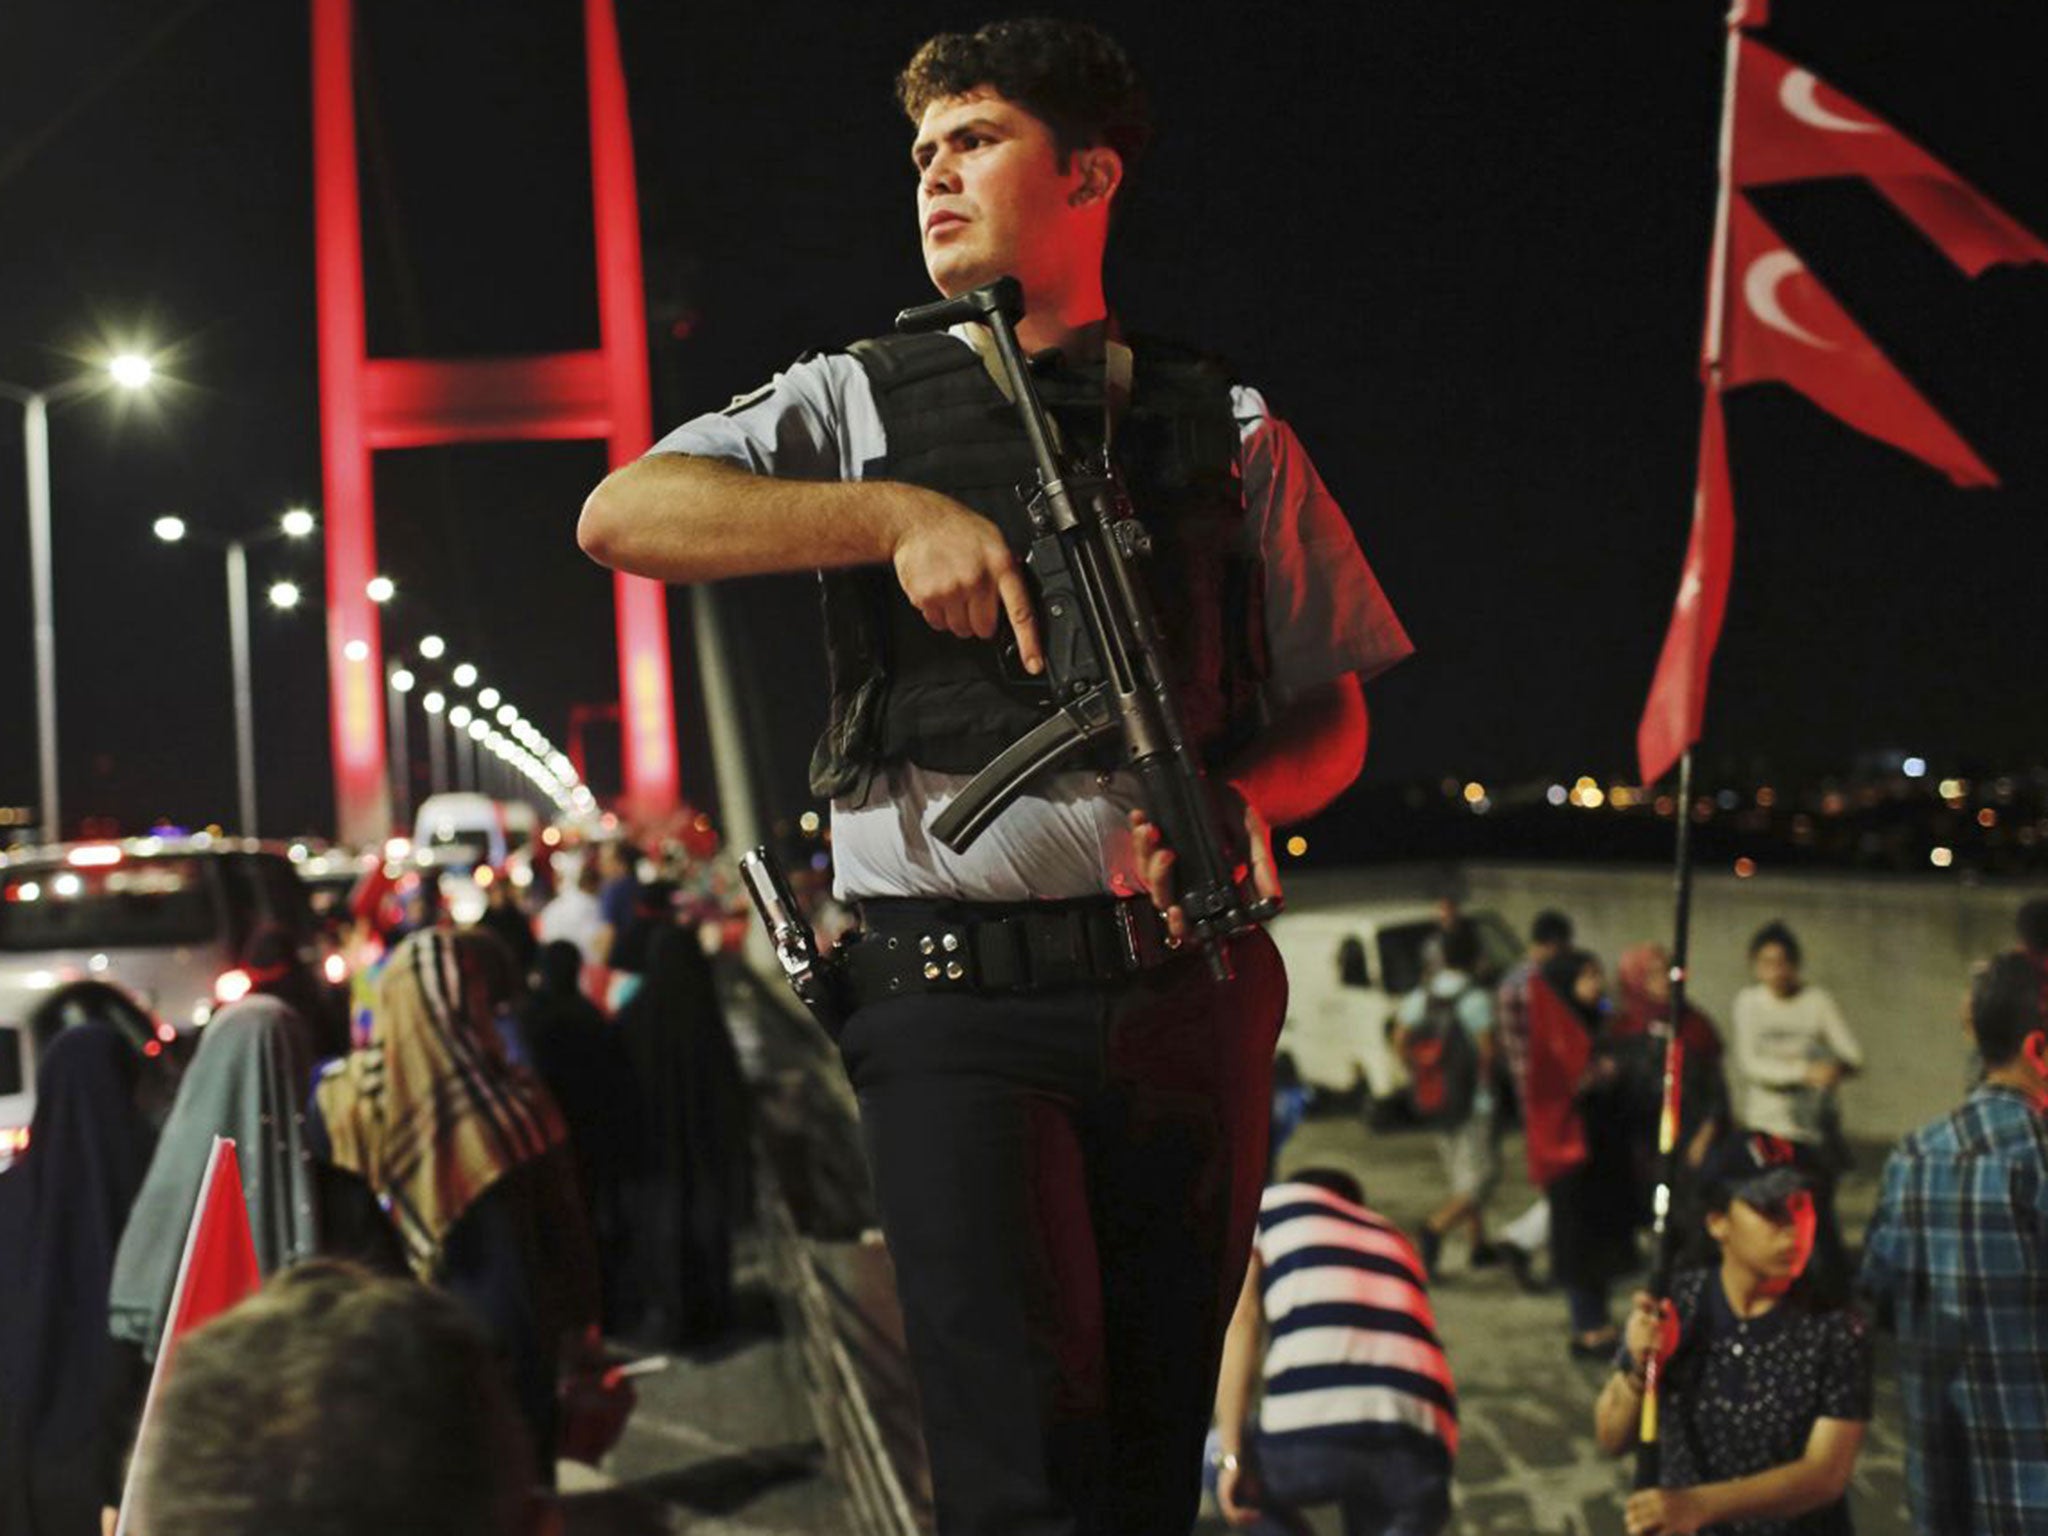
(1789, 126)
(1783, 325)
(1678, 693)
(218, 1269)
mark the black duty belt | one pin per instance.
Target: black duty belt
(908, 947)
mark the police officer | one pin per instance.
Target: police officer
(1064, 1114)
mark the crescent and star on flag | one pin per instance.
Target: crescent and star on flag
(1782, 124)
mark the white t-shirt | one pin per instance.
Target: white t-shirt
(1777, 1039)
(572, 916)
(1325, 616)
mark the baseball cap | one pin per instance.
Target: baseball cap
(1756, 1169)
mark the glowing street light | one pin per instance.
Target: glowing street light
(284, 594)
(380, 589)
(131, 370)
(297, 523)
(507, 714)
(169, 529)
(459, 716)
(433, 647)
(488, 698)
(465, 676)
(357, 650)
(434, 702)
(403, 680)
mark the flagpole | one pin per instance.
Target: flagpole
(1648, 1447)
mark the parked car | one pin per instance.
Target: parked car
(166, 919)
(1348, 967)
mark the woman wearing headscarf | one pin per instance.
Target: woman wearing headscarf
(469, 1157)
(579, 1058)
(62, 1206)
(692, 1183)
(248, 1082)
(1577, 1142)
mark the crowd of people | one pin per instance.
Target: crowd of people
(1763, 1341)
(554, 1172)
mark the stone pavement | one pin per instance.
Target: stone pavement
(1527, 1462)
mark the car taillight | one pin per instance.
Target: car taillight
(13, 1142)
(231, 986)
(335, 969)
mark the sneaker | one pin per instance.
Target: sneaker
(1432, 1245)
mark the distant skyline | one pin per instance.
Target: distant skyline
(1461, 249)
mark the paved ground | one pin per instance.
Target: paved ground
(721, 1444)
(1528, 1463)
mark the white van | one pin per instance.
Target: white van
(1348, 967)
(457, 835)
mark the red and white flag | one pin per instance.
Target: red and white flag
(1791, 126)
(1783, 326)
(217, 1270)
(1678, 693)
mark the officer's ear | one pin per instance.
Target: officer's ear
(1102, 172)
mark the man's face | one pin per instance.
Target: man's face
(992, 200)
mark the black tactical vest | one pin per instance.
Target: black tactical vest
(903, 691)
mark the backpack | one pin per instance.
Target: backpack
(1443, 1064)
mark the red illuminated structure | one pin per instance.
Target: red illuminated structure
(370, 403)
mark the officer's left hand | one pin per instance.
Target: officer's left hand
(1662, 1512)
(1155, 859)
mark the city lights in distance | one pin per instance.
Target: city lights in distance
(1941, 858)
(1745, 867)
(380, 589)
(1297, 845)
(1474, 792)
(169, 529)
(297, 523)
(284, 594)
(131, 370)
(465, 676)
(1914, 767)
(433, 647)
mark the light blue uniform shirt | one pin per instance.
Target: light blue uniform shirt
(1325, 616)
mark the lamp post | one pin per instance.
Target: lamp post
(129, 372)
(398, 682)
(435, 703)
(295, 524)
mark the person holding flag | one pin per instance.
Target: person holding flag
(1765, 1388)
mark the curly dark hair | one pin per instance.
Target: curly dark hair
(1071, 76)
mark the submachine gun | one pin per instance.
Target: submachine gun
(1105, 656)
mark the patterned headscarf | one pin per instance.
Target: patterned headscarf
(432, 1114)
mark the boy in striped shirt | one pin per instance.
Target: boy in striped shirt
(1358, 1406)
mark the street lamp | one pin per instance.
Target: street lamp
(297, 523)
(433, 647)
(398, 682)
(487, 698)
(129, 372)
(283, 595)
(434, 702)
(465, 676)
(380, 589)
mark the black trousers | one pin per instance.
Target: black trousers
(1068, 1186)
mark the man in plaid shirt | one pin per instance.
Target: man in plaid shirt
(1958, 1250)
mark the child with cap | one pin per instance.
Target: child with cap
(1766, 1389)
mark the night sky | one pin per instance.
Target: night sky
(1461, 247)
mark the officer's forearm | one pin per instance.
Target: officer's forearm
(1309, 754)
(676, 517)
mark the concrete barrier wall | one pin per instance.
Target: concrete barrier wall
(1896, 954)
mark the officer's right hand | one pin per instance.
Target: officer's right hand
(957, 571)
